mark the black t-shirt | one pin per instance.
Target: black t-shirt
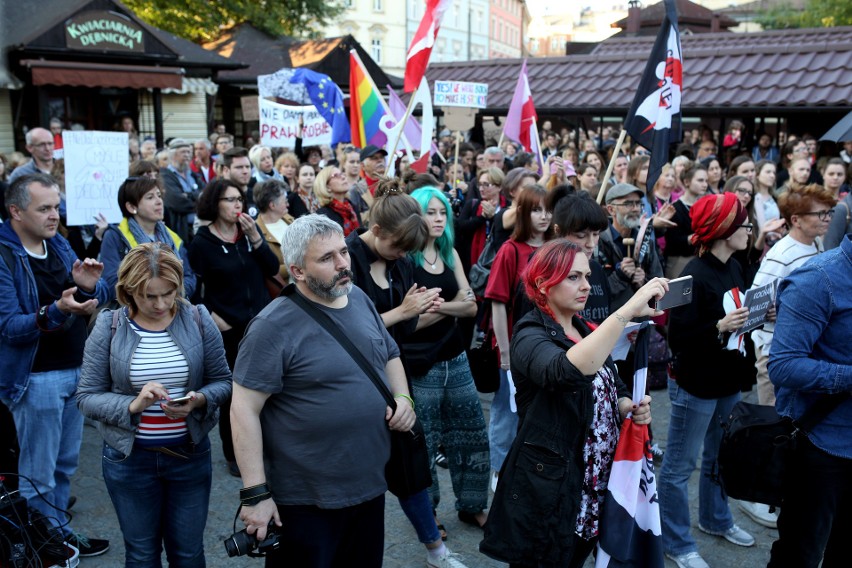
(61, 349)
(597, 305)
(445, 330)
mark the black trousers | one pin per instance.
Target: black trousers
(8, 448)
(331, 538)
(816, 515)
(582, 549)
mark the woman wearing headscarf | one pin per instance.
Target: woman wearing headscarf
(707, 378)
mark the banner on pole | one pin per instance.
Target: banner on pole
(279, 125)
(96, 164)
(461, 94)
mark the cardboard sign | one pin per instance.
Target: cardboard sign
(758, 301)
(96, 164)
(279, 125)
(461, 94)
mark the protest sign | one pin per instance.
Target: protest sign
(96, 164)
(279, 125)
(758, 301)
(461, 94)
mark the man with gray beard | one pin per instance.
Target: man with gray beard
(625, 276)
(182, 187)
(311, 430)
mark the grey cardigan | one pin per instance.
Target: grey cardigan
(104, 393)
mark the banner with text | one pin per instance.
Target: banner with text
(461, 94)
(96, 164)
(279, 125)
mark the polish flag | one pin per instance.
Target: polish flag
(521, 120)
(421, 44)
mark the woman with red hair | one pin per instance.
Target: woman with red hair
(570, 405)
(707, 377)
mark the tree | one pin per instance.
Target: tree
(816, 14)
(201, 20)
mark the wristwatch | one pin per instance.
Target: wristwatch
(42, 319)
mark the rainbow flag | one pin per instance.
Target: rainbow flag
(366, 106)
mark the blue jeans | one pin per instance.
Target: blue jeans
(50, 429)
(693, 421)
(161, 499)
(418, 509)
(502, 424)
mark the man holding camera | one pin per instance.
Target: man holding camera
(310, 429)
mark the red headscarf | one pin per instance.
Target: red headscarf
(715, 217)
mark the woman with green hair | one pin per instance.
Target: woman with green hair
(441, 384)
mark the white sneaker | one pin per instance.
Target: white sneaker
(734, 535)
(449, 560)
(759, 513)
(689, 560)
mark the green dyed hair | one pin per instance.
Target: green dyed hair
(444, 243)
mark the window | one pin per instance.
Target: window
(480, 18)
(377, 5)
(376, 50)
(554, 44)
(348, 3)
(534, 46)
(456, 16)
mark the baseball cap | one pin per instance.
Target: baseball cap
(371, 150)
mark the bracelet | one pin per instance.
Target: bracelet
(251, 496)
(624, 321)
(406, 397)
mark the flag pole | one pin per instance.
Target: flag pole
(609, 168)
(458, 143)
(502, 134)
(372, 83)
(402, 124)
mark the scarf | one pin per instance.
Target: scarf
(161, 234)
(345, 210)
(262, 176)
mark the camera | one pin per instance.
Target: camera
(241, 543)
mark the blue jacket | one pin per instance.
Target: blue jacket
(19, 307)
(810, 354)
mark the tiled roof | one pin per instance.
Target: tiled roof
(751, 71)
(687, 13)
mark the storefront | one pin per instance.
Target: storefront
(93, 63)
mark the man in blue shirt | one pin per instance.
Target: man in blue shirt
(811, 358)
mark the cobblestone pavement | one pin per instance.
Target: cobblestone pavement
(94, 516)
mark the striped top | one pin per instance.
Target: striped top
(158, 358)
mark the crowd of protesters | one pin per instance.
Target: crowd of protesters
(243, 232)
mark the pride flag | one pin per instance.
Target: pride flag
(366, 106)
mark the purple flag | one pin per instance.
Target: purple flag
(412, 127)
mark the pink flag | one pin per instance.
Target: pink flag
(412, 127)
(521, 120)
(421, 44)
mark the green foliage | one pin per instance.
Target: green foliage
(202, 20)
(816, 14)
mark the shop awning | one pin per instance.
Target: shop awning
(79, 74)
(195, 85)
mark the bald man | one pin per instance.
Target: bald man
(40, 146)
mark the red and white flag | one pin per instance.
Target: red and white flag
(421, 44)
(521, 120)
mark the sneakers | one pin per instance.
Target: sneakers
(689, 560)
(88, 546)
(441, 458)
(734, 535)
(759, 513)
(448, 560)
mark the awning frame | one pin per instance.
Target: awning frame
(81, 74)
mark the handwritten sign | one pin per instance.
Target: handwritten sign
(279, 125)
(461, 94)
(758, 301)
(96, 164)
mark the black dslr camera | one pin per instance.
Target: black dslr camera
(241, 543)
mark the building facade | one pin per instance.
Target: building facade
(464, 31)
(509, 20)
(379, 26)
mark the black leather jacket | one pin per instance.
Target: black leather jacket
(534, 512)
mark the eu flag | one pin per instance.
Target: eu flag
(328, 98)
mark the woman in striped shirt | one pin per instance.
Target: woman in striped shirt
(154, 375)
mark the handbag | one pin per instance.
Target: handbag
(408, 470)
(757, 444)
(484, 361)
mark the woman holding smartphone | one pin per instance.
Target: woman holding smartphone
(154, 375)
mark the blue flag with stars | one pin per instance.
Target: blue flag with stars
(328, 98)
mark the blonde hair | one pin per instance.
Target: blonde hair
(286, 157)
(141, 265)
(324, 196)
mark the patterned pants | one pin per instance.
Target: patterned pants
(449, 408)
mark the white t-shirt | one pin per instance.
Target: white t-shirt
(277, 229)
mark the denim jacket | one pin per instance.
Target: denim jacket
(19, 333)
(810, 354)
(105, 392)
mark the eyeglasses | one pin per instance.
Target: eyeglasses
(486, 184)
(232, 199)
(800, 149)
(629, 204)
(823, 215)
(748, 227)
(743, 191)
(43, 145)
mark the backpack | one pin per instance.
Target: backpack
(480, 271)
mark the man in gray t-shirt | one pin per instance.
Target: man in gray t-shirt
(310, 428)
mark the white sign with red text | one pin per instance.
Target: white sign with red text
(279, 125)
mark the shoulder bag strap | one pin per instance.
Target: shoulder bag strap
(817, 412)
(328, 325)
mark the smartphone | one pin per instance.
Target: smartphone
(179, 401)
(679, 294)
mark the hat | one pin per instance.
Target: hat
(621, 190)
(179, 143)
(715, 217)
(371, 150)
